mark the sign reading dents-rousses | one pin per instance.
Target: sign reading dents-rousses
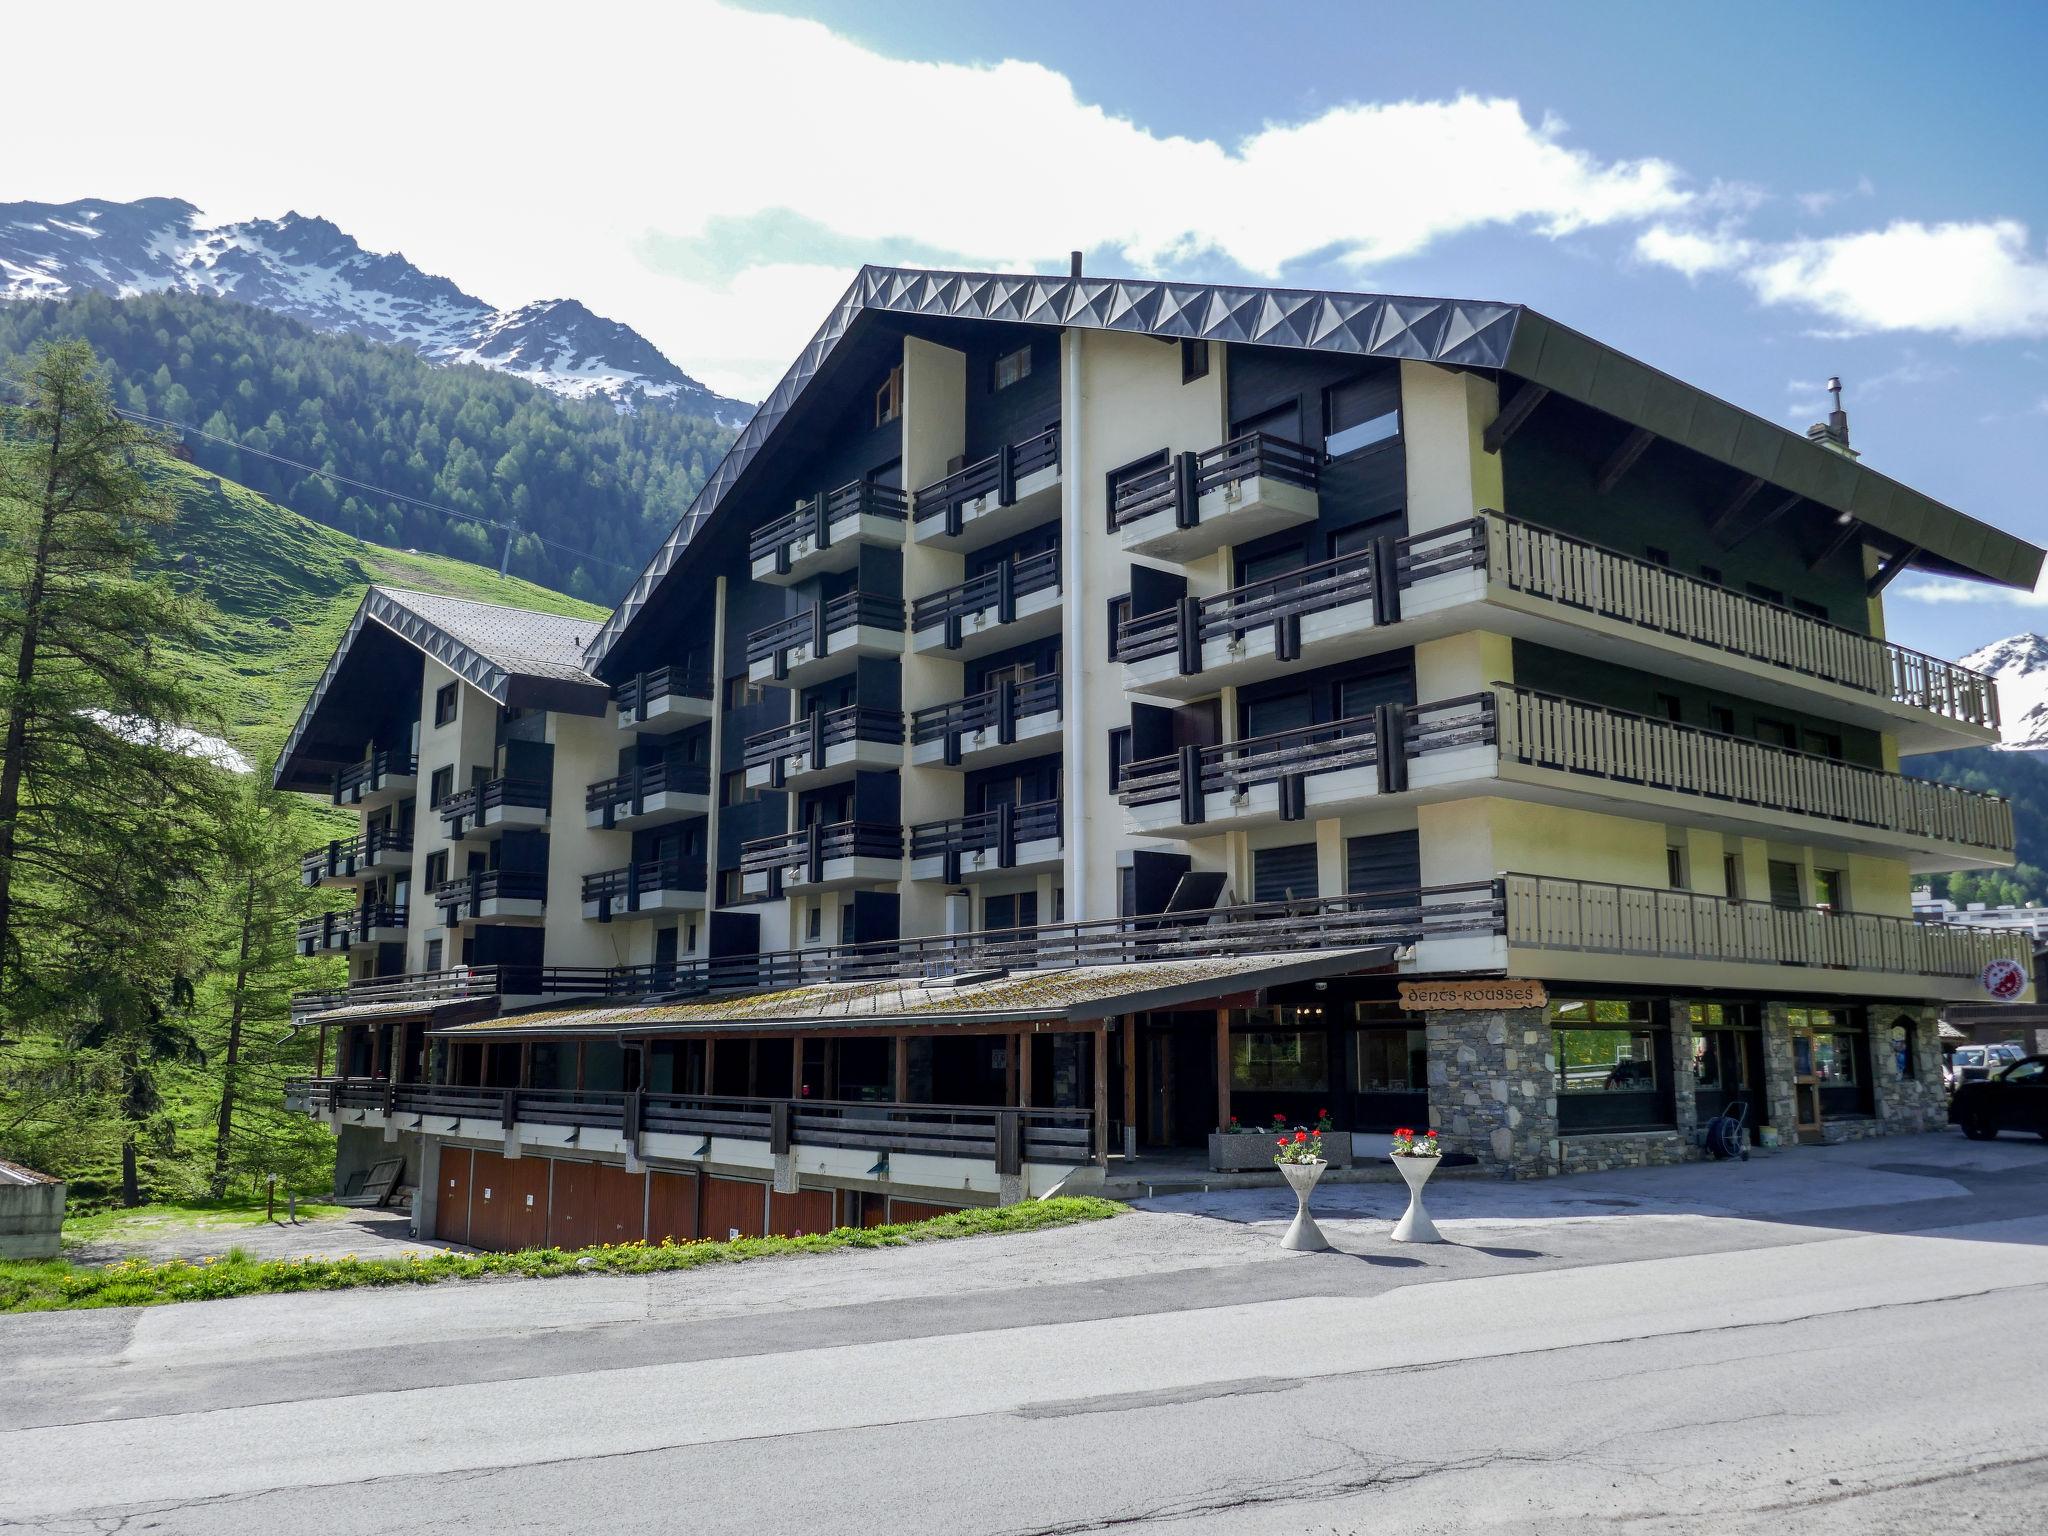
(1424, 996)
(2004, 979)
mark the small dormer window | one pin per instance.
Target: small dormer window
(889, 397)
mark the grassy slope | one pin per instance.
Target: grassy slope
(286, 588)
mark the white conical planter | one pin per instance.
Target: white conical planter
(1304, 1236)
(1415, 1225)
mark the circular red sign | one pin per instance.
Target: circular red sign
(2004, 979)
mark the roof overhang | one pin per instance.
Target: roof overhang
(1073, 998)
(1467, 333)
(383, 612)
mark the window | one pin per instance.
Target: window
(889, 397)
(1608, 1073)
(1361, 414)
(1721, 718)
(1902, 1049)
(1277, 1056)
(437, 869)
(1194, 361)
(1670, 706)
(1784, 883)
(814, 924)
(1674, 867)
(1775, 733)
(1811, 610)
(1383, 862)
(1284, 874)
(742, 692)
(1018, 911)
(433, 954)
(1119, 755)
(1766, 594)
(731, 892)
(1393, 1061)
(733, 789)
(1010, 368)
(1657, 556)
(1827, 889)
(445, 703)
(1731, 877)
(1711, 573)
(1119, 615)
(1824, 744)
(441, 785)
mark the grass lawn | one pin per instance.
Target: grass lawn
(146, 1221)
(57, 1285)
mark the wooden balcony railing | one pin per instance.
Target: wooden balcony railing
(642, 689)
(465, 896)
(475, 803)
(1275, 758)
(345, 856)
(1197, 620)
(622, 890)
(814, 845)
(815, 624)
(338, 930)
(1653, 924)
(1179, 484)
(1590, 578)
(997, 474)
(820, 514)
(358, 779)
(626, 795)
(996, 710)
(1589, 740)
(998, 587)
(821, 729)
(996, 832)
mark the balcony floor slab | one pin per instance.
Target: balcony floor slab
(655, 810)
(1035, 736)
(1038, 615)
(984, 520)
(1234, 514)
(842, 761)
(843, 648)
(670, 712)
(806, 559)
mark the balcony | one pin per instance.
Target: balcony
(378, 779)
(669, 789)
(1010, 721)
(1304, 618)
(1011, 839)
(826, 532)
(993, 498)
(491, 807)
(644, 890)
(822, 858)
(482, 985)
(1537, 746)
(825, 747)
(825, 640)
(377, 852)
(375, 922)
(1564, 592)
(666, 699)
(1017, 601)
(1194, 504)
(1312, 771)
(1586, 930)
(493, 895)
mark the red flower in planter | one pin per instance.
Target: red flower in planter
(1402, 1130)
(1301, 1135)
(1281, 1142)
(1278, 1118)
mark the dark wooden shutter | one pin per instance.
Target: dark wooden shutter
(1386, 861)
(1283, 874)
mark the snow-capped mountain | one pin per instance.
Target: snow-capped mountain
(314, 272)
(2019, 665)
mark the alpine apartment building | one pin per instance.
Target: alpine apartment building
(1081, 712)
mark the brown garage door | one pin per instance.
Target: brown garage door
(524, 1214)
(671, 1206)
(487, 1201)
(733, 1205)
(619, 1213)
(808, 1210)
(917, 1210)
(451, 1200)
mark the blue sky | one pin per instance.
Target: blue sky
(1752, 197)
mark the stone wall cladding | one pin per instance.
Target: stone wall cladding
(1493, 1087)
(1919, 1102)
(1778, 1085)
(1601, 1153)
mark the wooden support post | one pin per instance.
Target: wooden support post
(1222, 1068)
(796, 1066)
(320, 1054)
(753, 1068)
(525, 1064)
(582, 1047)
(902, 1044)
(1024, 1042)
(1010, 1070)
(1101, 1075)
(711, 1065)
(1131, 1079)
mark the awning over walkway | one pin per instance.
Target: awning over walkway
(1074, 996)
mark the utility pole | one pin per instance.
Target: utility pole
(505, 560)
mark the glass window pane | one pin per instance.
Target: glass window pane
(1393, 1061)
(1606, 1061)
(1280, 1060)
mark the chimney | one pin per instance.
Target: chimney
(1834, 432)
(1073, 263)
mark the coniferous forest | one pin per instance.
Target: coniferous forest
(592, 492)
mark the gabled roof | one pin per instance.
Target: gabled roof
(1462, 332)
(520, 658)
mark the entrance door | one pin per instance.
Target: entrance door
(1805, 1086)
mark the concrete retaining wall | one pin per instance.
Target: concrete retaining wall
(31, 1219)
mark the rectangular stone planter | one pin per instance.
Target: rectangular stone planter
(1249, 1152)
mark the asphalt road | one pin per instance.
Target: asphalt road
(1831, 1341)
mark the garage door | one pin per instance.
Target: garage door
(808, 1210)
(487, 1201)
(671, 1206)
(733, 1205)
(451, 1200)
(917, 1210)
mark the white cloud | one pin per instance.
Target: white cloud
(1974, 281)
(664, 126)
(1954, 591)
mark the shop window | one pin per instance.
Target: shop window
(1194, 361)
(1279, 1059)
(1010, 368)
(446, 703)
(1609, 1073)
(1393, 1061)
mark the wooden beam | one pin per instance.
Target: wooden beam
(1893, 564)
(1763, 522)
(1843, 535)
(796, 1066)
(1131, 1079)
(1024, 1070)
(1623, 459)
(902, 1063)
(320, 1054)
(1745, 493)
(1511, 416)
(1101, 1076)
(1222, 1068)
